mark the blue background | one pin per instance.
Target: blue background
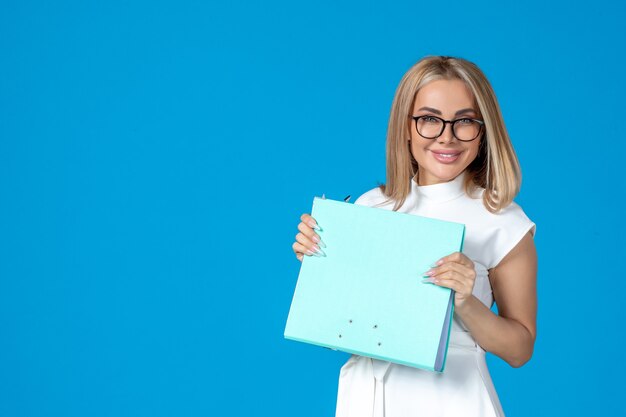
(155, 158)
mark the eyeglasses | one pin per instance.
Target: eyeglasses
(431, 127)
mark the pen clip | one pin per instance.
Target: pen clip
(346, 199)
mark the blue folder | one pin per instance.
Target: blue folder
(366, 296)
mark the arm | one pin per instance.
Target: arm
(510, 334)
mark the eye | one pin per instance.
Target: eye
(429, 119)
(465, 121)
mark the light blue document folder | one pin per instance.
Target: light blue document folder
(366, 296)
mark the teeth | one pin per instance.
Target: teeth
(447, 155)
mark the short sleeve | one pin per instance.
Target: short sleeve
(512, 225)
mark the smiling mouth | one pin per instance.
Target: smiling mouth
(446, 157)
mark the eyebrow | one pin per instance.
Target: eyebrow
(430, 109)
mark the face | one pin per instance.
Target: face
(444, 158)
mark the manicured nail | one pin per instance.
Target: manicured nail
(321, 243)
(319, 251)
(430, 273)
(316, 238)
(439, 262)
(427, 281)
(309, 252)
(314, 251)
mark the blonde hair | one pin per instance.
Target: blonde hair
(496, 168)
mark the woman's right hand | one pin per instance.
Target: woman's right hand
(307, 241)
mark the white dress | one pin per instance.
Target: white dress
(371, 387)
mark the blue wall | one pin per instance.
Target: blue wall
(155, 158)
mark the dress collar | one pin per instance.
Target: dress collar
(444, 191)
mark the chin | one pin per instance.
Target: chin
(441, 175)
(449, 175)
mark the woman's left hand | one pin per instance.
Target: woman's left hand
(455, 271)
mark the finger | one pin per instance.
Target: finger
(300, 249)
(470, 273)
(309, 233)
(300, 257)
(456, 257)
(453, 280)
(308, 243)
(455, 276)
(306, 249)
(449, 283)
(310, 221)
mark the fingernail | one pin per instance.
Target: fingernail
(430, 272)
(427, 281)
(309, 252)
(321, 243)
(321, 252)
(311, 224)
(439, 262)
(317, 251)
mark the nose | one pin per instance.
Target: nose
(447, 135)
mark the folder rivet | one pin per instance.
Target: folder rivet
(339, 335)
(379, 343)
(350, 321)
(376, 326)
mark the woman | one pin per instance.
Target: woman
(449, 157)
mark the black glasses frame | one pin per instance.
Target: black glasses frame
(452, 123)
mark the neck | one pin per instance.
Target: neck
(426, 181)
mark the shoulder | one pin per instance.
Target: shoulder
(490, 236)
(506, 229)
(511, 216)
(371, 198)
